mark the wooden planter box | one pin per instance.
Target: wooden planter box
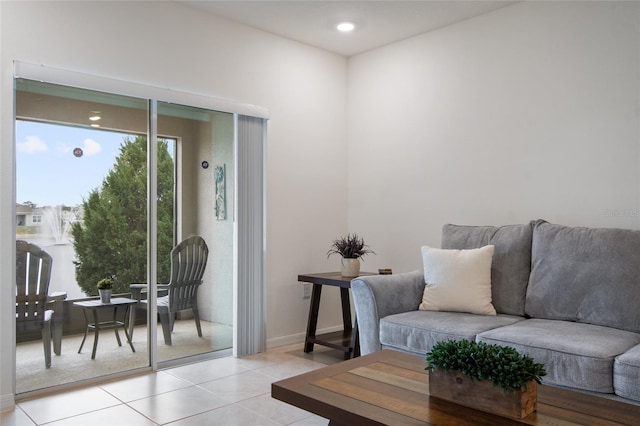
(482, 395)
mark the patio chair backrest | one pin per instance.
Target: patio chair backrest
(188, 263)
(33, 273)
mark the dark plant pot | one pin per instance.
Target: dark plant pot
(105, 295)
(482, 394)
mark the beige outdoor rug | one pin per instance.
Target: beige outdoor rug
(70, 366)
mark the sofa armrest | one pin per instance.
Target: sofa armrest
(377, 296)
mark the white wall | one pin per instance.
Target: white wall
(530, 111)
(217, 289)
(169, 45)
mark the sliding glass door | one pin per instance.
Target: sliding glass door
(82, 185)
(204, 200)
(81, 197)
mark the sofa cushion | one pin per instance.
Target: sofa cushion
(418, 331)
(587, 275)
(626, 374)
(575, 355)
(511, 264)
(457, 280)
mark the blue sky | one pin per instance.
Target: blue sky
(49, 174)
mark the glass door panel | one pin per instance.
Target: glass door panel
(81, 188)
(204, 187)
(81, 196)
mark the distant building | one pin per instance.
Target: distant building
(27, 215)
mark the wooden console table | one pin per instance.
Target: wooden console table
(345, 340)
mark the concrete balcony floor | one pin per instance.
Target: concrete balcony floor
(70, 367)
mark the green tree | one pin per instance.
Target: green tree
(111, 239)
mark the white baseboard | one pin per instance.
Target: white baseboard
(297, 338)
(7, 403)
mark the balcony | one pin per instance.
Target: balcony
(70, 366)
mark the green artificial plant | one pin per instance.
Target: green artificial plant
(502, 365)
(105, 284)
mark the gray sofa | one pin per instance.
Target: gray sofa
(567, 296)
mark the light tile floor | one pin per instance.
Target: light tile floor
(224, 391)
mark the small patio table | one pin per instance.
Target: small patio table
(94, 306)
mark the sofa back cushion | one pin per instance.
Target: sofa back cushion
(588, 275)
(511, 264)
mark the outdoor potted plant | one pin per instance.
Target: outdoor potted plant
(105, 287)
(492, 378)
(351, 247)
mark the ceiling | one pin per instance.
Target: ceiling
(379, 22)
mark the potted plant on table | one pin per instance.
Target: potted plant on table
(491, 378)
(351, 247)
(105, 287)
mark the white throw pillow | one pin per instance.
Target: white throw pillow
(458, 280)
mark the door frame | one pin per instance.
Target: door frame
(249, 335)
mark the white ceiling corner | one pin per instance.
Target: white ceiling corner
(379, 22)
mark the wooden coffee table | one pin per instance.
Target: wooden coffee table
(391, 388)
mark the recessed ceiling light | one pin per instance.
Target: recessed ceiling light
(95, 125)
(94, 118)
(346, 26)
